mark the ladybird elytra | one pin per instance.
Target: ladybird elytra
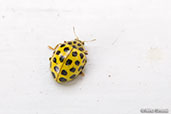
(68, 60)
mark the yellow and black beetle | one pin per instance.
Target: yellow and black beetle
(68, 60)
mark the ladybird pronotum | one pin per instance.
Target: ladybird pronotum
(68, 60)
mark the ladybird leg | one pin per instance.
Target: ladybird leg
(53, 48)
(50, 58)
(82, 74)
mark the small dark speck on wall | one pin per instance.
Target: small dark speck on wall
(109, 76)
(3, 17)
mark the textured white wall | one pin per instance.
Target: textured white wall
(128, 66)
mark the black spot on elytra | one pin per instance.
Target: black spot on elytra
(81, 55)
(62, 79)
(73, 76)
(58, 52)
(81, 49)
(80, 68)
(77, 63)
(79, 44)
(62, 45)
(69, 62)
(74, 42)
(70, 43)
(53, 74)
(74, 46)
(56, 68)
(83, 61)
(64, 72)
(74, 54)
(54, 59)
(72, 69)
(61, 58)
(66, 49)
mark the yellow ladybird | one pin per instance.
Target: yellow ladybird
(68, 60)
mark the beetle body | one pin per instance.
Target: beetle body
(68, 60)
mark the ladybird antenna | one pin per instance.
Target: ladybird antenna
(90, 40)
(75, 33)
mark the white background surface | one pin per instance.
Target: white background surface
(128, 66)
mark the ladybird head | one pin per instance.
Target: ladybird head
(77, 40)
